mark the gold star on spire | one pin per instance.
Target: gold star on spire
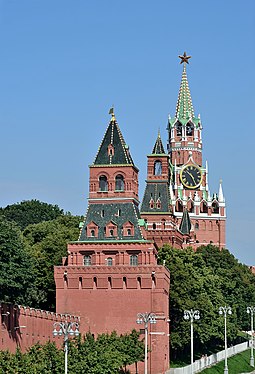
(184, 58)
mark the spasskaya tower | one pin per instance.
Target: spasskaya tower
(189, 182)
(177, 204)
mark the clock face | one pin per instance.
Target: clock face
(191, 176)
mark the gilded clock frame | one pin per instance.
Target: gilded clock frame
(181, 178)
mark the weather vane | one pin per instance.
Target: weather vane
(184, 58)
(111, 111)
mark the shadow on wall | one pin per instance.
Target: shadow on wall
(10, 322)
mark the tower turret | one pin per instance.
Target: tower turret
(111, 271)
(155, 208)
(188, 178)
(184, 129)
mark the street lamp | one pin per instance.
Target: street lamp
(251, 311)
(225, 310)
(66, 328)
(191, 315)
(146, 318)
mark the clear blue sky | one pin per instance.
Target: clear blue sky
(64, 63)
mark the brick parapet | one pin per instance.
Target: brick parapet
(112, 277)
(24, 326)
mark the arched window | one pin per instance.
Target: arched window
(129, 232)
(158, 203)
(111, 232)
(133, 260)
(95, 282)
(87, 260)
(103, 183)
(196, 226)
(179, 129)
(92, 232)
(215, 207)
(154, 226)
(151, 203)
(203, 207)
(119, 183)
(189, 129)
(109, 282)
(190, 206)
(139, 282)
(109, 261)
(179, 206)
(157, 168)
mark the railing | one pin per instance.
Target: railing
(207, 361)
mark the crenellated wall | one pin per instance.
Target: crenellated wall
(108, 298)
(24, 326)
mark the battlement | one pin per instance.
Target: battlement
(24, 326)
(112, 277)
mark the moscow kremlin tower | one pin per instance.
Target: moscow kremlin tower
(111, 273)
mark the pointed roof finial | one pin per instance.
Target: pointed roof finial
(220, 195)
(158, 147)
(184, 107)
(184, 58)
(111, 111)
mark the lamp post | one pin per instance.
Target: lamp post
(146, 318)
(66, 329)
(191, 315)
(225, 310)
(251, 311)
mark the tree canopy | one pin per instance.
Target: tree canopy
(16, 267)
(30, 212)
(29, 251)
(205, 280)
(46, 244)
(107, 354)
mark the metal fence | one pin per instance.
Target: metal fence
(207, 361)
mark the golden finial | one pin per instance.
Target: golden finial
(184, 58)
(111, 111)
(159, 133)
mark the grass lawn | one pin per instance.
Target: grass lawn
(237, 364)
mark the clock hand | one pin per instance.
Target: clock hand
(191, 176)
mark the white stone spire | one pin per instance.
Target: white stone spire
(220, 195)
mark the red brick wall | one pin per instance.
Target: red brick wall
(112, 301)
(23, 326)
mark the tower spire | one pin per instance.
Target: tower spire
(158, 147)
(220, 195)
(184, 107)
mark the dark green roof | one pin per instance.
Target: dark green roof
(119, 213)
(113, 137)
(155, 191)
(185, 225)
(158, 148)
(184, 108)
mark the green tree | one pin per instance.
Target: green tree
(205, 280)
(86, 355)
(131, 348)
(46, 244)
(30, 212)
(16, 267)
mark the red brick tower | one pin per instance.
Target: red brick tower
(189, 189)
(155, 209)
(111, 272)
